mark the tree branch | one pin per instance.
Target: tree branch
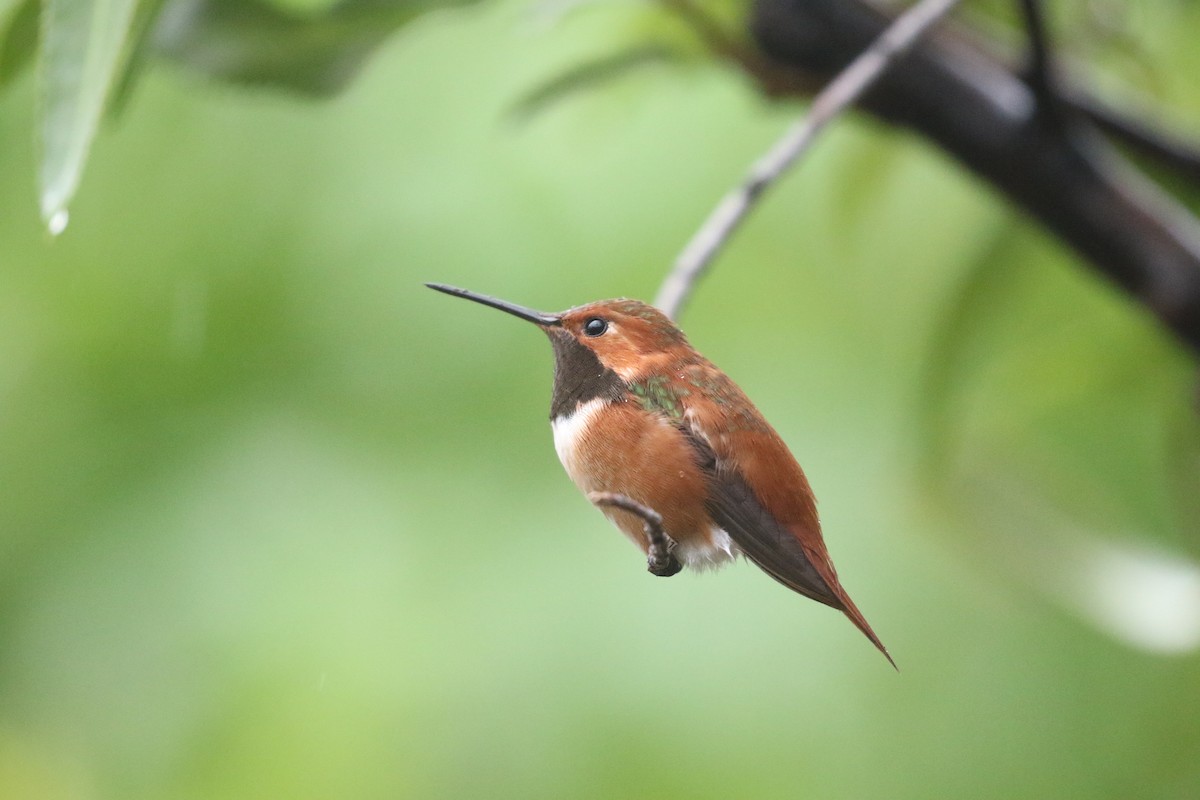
(983, 114)
(843, 91)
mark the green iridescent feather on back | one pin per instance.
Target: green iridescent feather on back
(656, 393)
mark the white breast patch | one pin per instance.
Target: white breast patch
(570, 429)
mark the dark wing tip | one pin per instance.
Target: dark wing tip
(770, 545)
(850, 610)
(777, 551)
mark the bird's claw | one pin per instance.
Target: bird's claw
(660, 559)
(663, 567)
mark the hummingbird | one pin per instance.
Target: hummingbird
(637, 412)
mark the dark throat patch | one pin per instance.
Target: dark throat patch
(579, 376)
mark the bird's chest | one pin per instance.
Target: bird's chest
(618, 447)
(593, 444)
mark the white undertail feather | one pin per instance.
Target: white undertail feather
(714, 555)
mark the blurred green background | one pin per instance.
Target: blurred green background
(278, 522)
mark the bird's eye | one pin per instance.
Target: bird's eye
(595, 326)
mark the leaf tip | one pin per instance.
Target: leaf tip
(56, 220)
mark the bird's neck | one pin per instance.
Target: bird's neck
(579, 377)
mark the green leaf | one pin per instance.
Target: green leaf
(18, 37)
(960, 342)
(6, 8)
(139, 50)
(258, 43)
(868, 161)
(590, 75)
(1043, 384)
(82, 45)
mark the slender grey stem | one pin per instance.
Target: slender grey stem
(847, 87)
(659, 560)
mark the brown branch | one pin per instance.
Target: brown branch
(842, 92)
(659, 545)
(983, 114)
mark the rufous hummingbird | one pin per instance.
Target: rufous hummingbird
(636, 411)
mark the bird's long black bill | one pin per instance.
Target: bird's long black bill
(536, 317)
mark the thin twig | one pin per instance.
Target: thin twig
(1041, 68)
(1040, 77)
(705, 27)
(1160, 144)
(771, 79)
(659, 560)
(846, 88)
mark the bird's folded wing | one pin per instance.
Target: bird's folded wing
(770, 545)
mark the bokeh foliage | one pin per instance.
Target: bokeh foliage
(276, 521)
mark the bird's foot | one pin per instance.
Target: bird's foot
(660, 553)
(659, 560)
(663, 565)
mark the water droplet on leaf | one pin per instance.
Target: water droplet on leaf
(58, 222)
